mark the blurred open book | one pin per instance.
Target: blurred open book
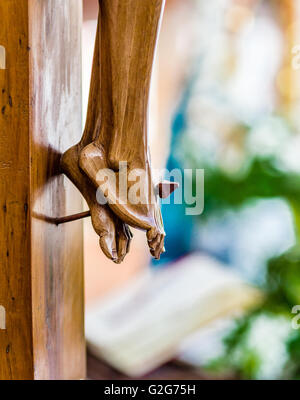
(142, 325)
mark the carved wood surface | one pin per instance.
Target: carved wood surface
(116, 130)
(41, 269)
(15, 287)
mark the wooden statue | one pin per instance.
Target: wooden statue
(116, 132)
(115, 236)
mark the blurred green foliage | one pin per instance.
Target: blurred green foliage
(262, 179)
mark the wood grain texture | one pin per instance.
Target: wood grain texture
(15, 274)
(114, 235)
(127, 42)
(55, 67)
(41, 271)
(116, 128)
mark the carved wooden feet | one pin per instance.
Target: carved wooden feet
(111, 164)
(114, 235)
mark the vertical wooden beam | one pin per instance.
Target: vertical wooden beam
(41, 264)
(16, 348)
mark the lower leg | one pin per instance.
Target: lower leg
(129, 36)
(114, 236)
(129, 32)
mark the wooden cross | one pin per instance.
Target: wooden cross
(41, 268)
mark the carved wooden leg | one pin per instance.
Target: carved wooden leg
(115, 236)
(129, 30)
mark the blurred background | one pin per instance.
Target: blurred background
(221, 301)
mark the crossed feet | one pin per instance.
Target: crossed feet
(118, 109)
(141, 211)
(114, 235)
(110, 221)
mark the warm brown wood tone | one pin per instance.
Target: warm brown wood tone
(114, 235)
(41, 269)
(166, 188)
(15, 275)
(127, 41)
(117, 127)
(71, 218)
